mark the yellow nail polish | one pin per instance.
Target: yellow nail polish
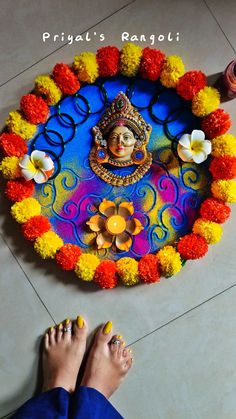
(80, 322)
(119, 337)
(51, 329)
(123, 343)
(60, 326)
(67, 322)
(107, 327)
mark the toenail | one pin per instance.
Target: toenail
(80, 322)
(67, 321)
(123, 343)
(51, 329)
(107, 328)
(119, 337)
(60, 326)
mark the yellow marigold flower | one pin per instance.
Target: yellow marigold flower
(224, 145)
(48, 244)
(224, 190)
(86, 266)
(170, 261)
(127, 269)
(172, 70)
(211, 231)
(17, 124)
(46, 87)
(9, 167)
(205, 101)
(24, 210)
(86, 67)
(130, 59)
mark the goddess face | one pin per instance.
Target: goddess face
(121, 143)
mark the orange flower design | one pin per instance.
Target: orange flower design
(115, 225)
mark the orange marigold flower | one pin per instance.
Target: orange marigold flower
(192, 246)
(67, 256)
(151, 63)
(34, 108)
(213, 209)
(66, 79)
(12, 145)
(149, 269)
(108, 59)
(223, 167)
(217, 123)
(190, 83)
(17, 190)
(105, 275)
(35, 227)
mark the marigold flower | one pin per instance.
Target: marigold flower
(170, 261)
(86, 266)
(105, 275)
(34, 108)
(12, 145)
(192, 246)
(205, 101)
(215, 124)
(48, 244)
(130, 59)
(127, 269)
(68, 256)
(211, 231)
(190, 83)
(172, 70)
(24, 210)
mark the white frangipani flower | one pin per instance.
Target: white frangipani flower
(193, 147)
(38, 166)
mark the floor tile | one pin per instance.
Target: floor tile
(23, 26)
(192, 21)
(135, 311)
(224, 13)
(144, 307)
(187, 369)
(24, 319)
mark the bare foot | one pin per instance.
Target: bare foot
(108, 363)
(63, 353)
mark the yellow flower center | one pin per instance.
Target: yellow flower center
(37, 164)
(115, 224)
(196, 146)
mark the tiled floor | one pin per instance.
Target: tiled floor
(182, 330)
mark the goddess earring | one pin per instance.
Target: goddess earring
(139, 154)
(101, 146)
(101, 154)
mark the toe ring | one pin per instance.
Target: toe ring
(67, 329)
(116, 342)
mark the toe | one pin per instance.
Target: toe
(115, 344)
(80, 328)
(52, 336)
(104, 333)
(59, 332)
(125, 353)
(67, 330)
(46, 341)
(128, 363)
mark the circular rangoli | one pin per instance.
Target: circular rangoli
(120, 166)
